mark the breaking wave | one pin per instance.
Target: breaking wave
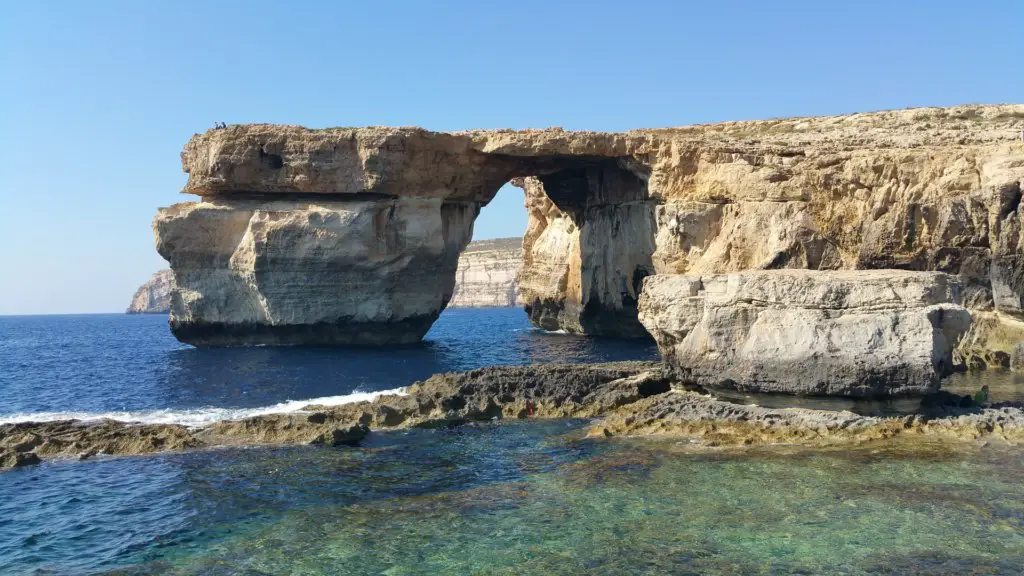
(196, 417)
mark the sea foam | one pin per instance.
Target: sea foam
(195, 417)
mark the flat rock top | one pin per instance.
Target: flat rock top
(967, 124)
(466, 165)
(494, 244)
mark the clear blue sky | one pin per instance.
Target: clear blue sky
(97, 98)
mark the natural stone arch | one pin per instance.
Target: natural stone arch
(352, 235)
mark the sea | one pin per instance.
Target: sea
(535, 497)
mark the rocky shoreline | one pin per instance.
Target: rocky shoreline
(623, 398)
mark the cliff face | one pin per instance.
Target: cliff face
(485, 276)
(925, 189)
(849, 333)
(928, 189)
(153, 297)
(322, 271)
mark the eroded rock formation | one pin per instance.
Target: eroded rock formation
(351, 235)
(153, 297)
(485, 276)
(866, 333)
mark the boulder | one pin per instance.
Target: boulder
(1017, 359)
(862, 334)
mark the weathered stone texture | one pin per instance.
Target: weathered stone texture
(1017, 359)
(153, 297)
(486, 274)
(843, 333)
(266, 271)
(921, 189)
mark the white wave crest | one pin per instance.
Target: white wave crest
(196, 417)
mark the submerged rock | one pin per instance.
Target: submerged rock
(842, 333)
(442, 400)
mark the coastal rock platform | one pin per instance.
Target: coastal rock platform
(624, 399)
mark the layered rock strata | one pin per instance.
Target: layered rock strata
(934, 189)
(153, 297)
(485, 276)
(714, 423)
(843, 333)
(630, 398)
(320, 271)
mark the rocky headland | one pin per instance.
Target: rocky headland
(625, 398)
(861, 257)
(153, 297)
(352, 235)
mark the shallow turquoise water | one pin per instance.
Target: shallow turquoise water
(506, 498)
(522, 498)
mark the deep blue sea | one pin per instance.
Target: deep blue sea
(131, 367)
(494, 498)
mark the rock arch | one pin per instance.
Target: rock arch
(351, 235)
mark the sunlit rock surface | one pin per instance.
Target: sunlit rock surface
(265, 271)
(153, 297)
(485, 277)
(828, 333)
(1017, 360)
(486, 274)
(920, 189)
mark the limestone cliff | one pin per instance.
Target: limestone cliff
(849, 333)
(153, 297)
(352, 234)
(485, 276)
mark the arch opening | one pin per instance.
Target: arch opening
(588, 244)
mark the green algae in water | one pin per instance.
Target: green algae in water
(625, 507)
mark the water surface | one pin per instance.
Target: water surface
(495, 498)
